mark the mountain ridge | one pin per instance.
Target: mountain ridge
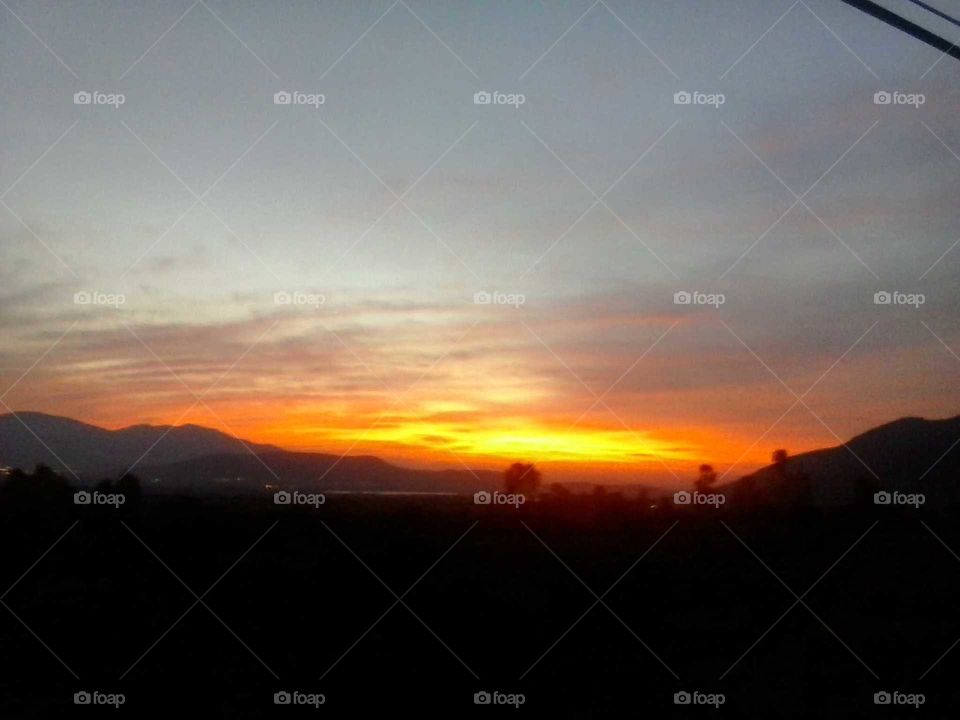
(909, 454)
(195, 458)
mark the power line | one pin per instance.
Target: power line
(904, 25)
(940, 13)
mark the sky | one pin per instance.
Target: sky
(185, 249)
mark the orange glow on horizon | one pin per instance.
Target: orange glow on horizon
(447, 435)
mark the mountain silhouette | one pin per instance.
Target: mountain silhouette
(241, 473)
(909, 455)
(196, 459)
(88, 450)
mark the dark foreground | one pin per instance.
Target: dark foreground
(210, 608)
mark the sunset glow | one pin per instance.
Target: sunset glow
(407, 271)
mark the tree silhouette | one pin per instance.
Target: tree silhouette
(791, 485)
(521, 478)
(559, 491)
(129, 485)
(706, 478)
(44, 490)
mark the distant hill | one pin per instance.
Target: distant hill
(309, 472)
(89, 450)
(910, 455)
(191, 458)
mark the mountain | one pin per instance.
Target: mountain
(308, 472)
(191, 458)
(91, 451)
(909, 455)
